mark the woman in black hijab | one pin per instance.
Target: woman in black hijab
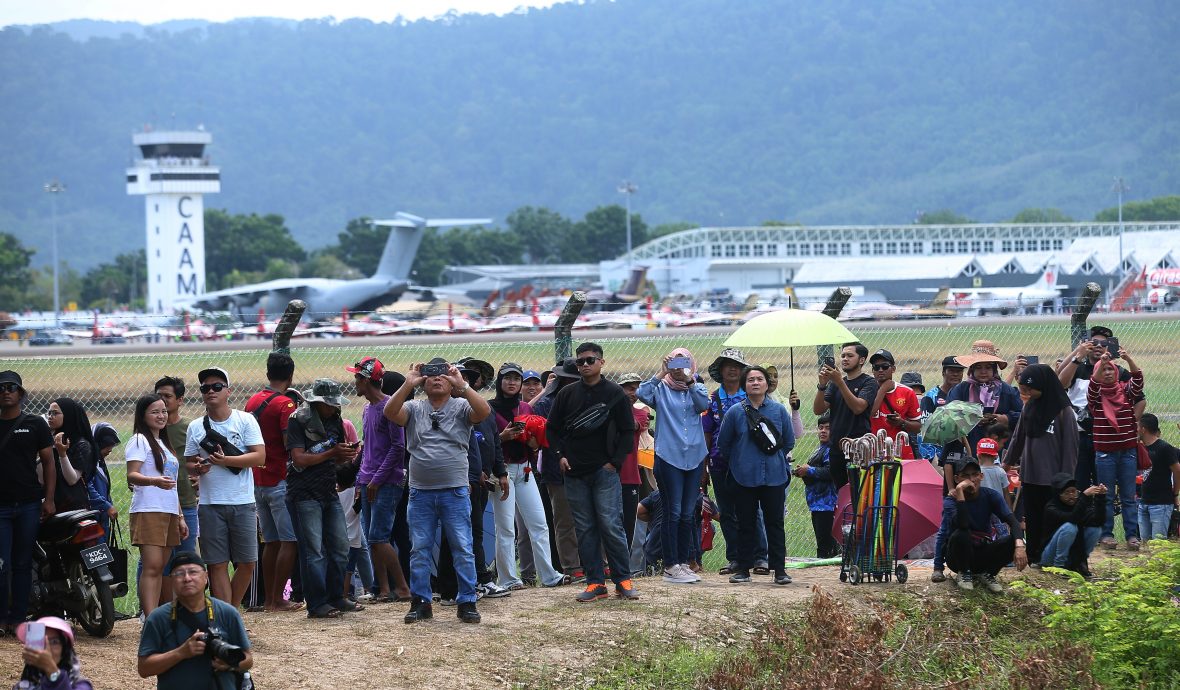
(1044, 443)
(73, 442)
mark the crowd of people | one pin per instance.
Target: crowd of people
(594, 481)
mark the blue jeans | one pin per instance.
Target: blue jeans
(1056, 552)
(361, 563)
(323, 549)
(426, 510)
(727, 504)
(1119, 467)
(1153, 521)
(679, 490)
(596, 502)
(377, 516)
(18, 532)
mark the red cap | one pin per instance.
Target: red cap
(987, 446)
(369, 367)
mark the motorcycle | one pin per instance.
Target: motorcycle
(71, 572)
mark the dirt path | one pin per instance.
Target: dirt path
(375, 649)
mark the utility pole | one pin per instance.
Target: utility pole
(54, 188)
(1120, 187)
(627, 188)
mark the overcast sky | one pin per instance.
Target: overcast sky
(154, 11)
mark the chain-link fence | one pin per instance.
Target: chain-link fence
(108, 384)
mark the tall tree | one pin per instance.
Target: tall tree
(1159, 208)
(1041, 215)
(542, 232)
(602, 235)
(943, 216)
(14, 271)
(245, 243)
(121, 282)
(360, 244)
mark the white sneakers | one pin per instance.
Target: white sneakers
(680, 574)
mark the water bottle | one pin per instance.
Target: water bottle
(322, 446)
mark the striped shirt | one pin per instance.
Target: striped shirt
(1109, 438)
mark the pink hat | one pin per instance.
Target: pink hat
(51, 623)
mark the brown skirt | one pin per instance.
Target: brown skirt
(155, 529)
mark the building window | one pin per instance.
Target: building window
(730, 250)
(971, 270)
(790, 249)
(715, 250)
(1058, 245)
(772, 249)
(845, 249)
(990, 246)
(759, 250)
(1019, 245)
(962, 246)
(976, 246)
(891, 248)
(805, 249)
(744, 250)
(1088, 267)
(903, 247)
(1045, 245)
(1006, 245)
(1010, 267)
(819, 249)
(936, 247)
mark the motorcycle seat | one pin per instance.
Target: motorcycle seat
(62, 526)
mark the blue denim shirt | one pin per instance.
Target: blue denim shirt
(680, 442)
(749, 465)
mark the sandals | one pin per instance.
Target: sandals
(325, 612)
(349, 606)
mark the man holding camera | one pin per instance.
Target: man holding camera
(220, 448)
(194, 642)
(848, 400)
(438, 433)
(315, 439)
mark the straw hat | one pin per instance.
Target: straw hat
(982, 352)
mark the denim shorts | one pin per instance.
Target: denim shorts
(229, 533)
(377, 517)
(273, 516)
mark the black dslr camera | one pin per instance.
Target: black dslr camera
(217, 648)
(429, 370)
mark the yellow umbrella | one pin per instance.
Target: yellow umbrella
(790, 328)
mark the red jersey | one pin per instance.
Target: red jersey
(903, 401)
(273, 422)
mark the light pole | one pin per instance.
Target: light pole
(627, 188)
(1120, 187)
(54, 188)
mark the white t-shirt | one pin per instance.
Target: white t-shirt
(152, 499)
(220, 486)
(352, 521)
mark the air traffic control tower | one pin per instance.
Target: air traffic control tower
(173, 173)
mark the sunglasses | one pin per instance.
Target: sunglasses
(435, 417)
(213, 387)
(882, 367)
(585, 361)
(9, 388)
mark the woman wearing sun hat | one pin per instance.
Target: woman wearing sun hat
(982, 384)
(52, 663)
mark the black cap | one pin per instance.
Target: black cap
(511, 368)
(882, 354)
(567, 369)
(12, 377)
(391, 381)
(186, 558)
(950, 362)
(965, 463)
(1102, 331)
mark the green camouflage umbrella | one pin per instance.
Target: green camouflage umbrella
(951, 422)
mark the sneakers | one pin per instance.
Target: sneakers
(366, 598)
(467, 613)
(1109, 543)
(677, 574)
(991, 583)
(491, 590)
(966, 582)
(626, 590)
(938, 576)
(782, 578)
(592, 593)
(577, 577)
(420, 610)
(740, 576)
(447, 602)
(1133, 544)
(687, 570)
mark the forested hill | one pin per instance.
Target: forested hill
(729, 112)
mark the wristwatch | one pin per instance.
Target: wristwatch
(464, 391)
(54, 676)
(1078, 362)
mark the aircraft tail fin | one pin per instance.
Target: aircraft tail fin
(635, 281)
(400, 250)
(1048, 279)
(940, 299)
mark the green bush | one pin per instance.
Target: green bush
(1131, 619)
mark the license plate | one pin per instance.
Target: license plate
(96, 556)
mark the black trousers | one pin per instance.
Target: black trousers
(771, 499)
(826, 545)
(554, 555)
(447, 585)
(630, 508)
(838, 464)
(1035, 498)
(401, 533)
(963, 556)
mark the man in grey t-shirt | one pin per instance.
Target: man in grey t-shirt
(438, 432)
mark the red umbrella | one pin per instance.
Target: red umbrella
(919, 507)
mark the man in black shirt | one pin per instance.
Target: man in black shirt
(848, 400)
(315, 438)
(591, 429)
(24, 438)
(1161, 488)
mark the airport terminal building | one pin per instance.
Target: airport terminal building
(895, 263)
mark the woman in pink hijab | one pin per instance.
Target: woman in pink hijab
(678, 399)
